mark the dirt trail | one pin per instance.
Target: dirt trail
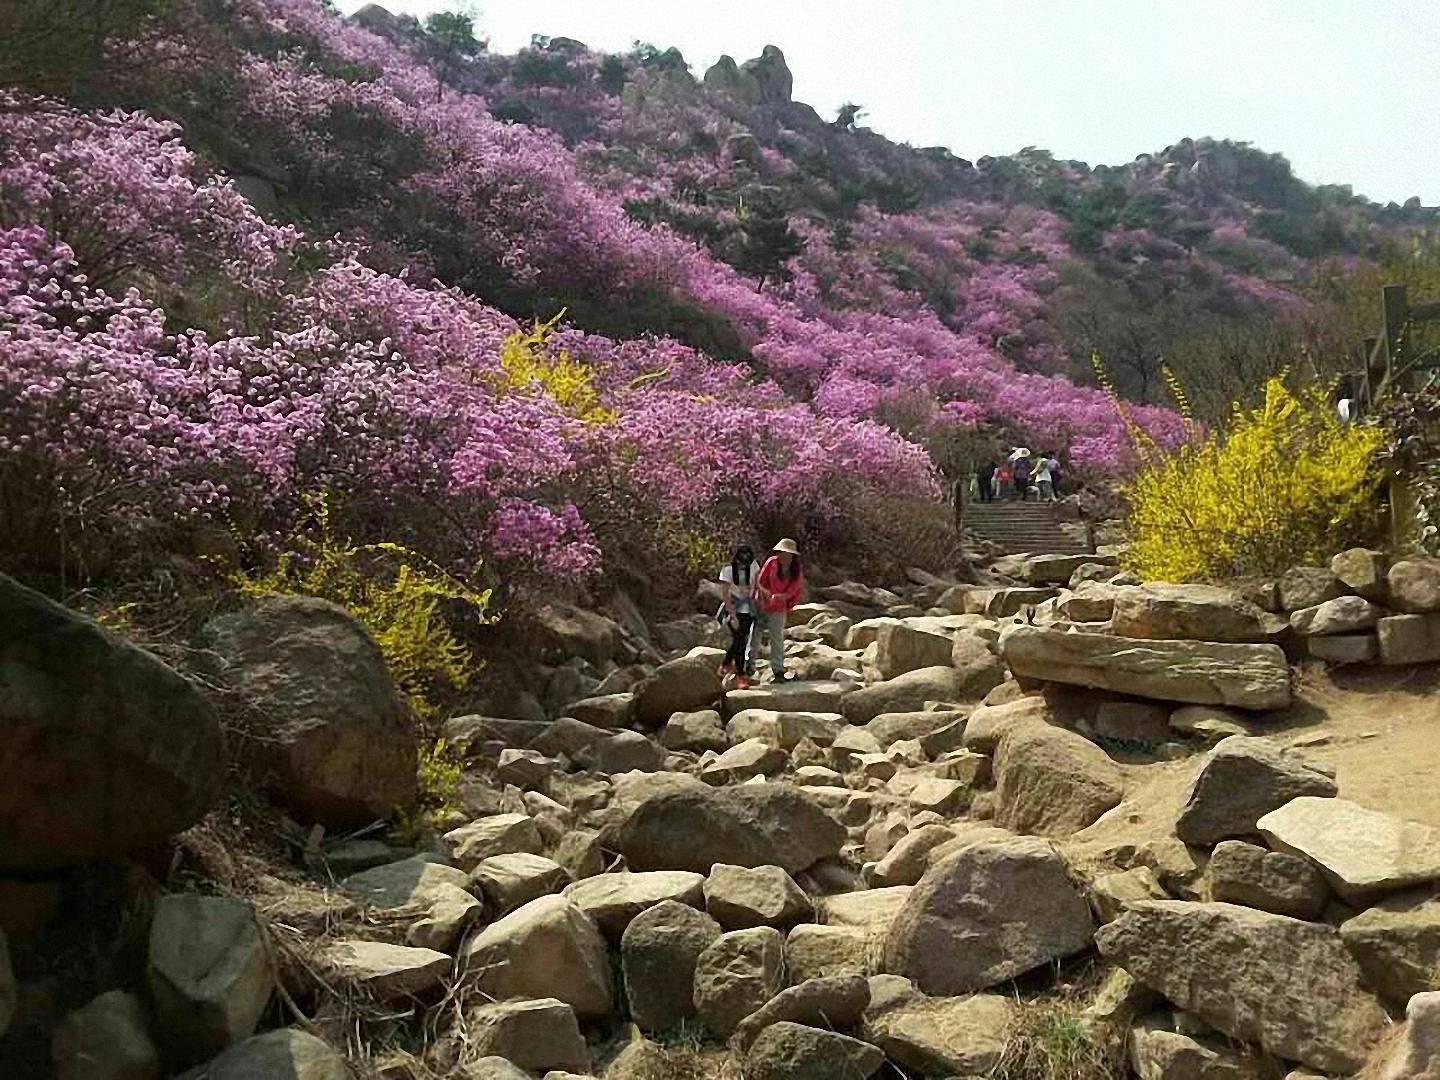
(1379, 727)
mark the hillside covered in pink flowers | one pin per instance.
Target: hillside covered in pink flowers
(250, 252)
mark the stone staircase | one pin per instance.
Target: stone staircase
(1033, 527)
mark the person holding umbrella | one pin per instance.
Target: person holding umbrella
(1020, 464)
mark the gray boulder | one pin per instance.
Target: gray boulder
(1238, 783)
(658, 952)
(1397, 944)
(909, 692)
(335, 739)
(989, 912)
(106, 1039)
(1275, 881)
(286, 1054)
(749, 825)
(1194, 612)
(1052, 782)
(537, 1035)
(209, 975)
(787, 1051)
(736, 974)
(836, 1002)
(1289, 986)
(1199, 672)
(677, 686)
(103, 749)
(548, 948)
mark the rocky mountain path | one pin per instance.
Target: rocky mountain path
(1148, 815)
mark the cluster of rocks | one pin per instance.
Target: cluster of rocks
(821, 876)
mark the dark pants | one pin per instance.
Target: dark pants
(735, 656)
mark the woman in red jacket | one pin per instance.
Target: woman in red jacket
(778, 589)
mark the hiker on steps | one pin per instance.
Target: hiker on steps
(778, 589)
(1021, 469)
(737, 587)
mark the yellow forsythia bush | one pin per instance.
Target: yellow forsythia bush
(1285, 483)
(528, 364)
(396, 593)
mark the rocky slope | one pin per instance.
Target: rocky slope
(1063, 801)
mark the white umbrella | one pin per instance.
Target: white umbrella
(1018, 453)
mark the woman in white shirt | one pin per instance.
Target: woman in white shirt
(737, 585)
(1045, 480)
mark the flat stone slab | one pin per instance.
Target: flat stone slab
(1362, 853)
(816, 696)
(1245, 676)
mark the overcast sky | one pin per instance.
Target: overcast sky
(1348, 90)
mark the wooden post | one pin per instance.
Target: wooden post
(1395, 302)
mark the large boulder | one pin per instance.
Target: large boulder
(1413, 586)
(1275, 881)
(1397, 943)
(736, 974)
(1156, 1052)
(333, 732)
(771, 74)
(1287, 985)
(103, 749)
(1409, 639)
(383, 971)
(695, 732)
(548, 948)
(956, 1036)
(1306, 586)
(612, 900)
(497, 834)
(991, 911)
(285, 1054)
(910, 692)
(658, 952)
(1199, 672)
(1059, 569)
(749, 825)
(1240, 781)
(677, 686)
(511, 881)
(209, 974)
(740, 897)
(1052, 782)
(837, 1001)
(900, 648)
(890, 728)
(789, 1051)
(1194, 612)
(562, 631)
(753, 757)
(813, 951)
(784, 729)
(1362, 571)
(1363, 853)
(1343, 615)
(809, 696)
(538, 1035)
(106, 1039)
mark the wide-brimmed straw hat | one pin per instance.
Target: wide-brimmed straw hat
(788, 546)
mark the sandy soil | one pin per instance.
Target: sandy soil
(1379, 727)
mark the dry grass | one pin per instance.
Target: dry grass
(1053, 1041)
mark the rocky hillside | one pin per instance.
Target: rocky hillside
(1059, 824)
